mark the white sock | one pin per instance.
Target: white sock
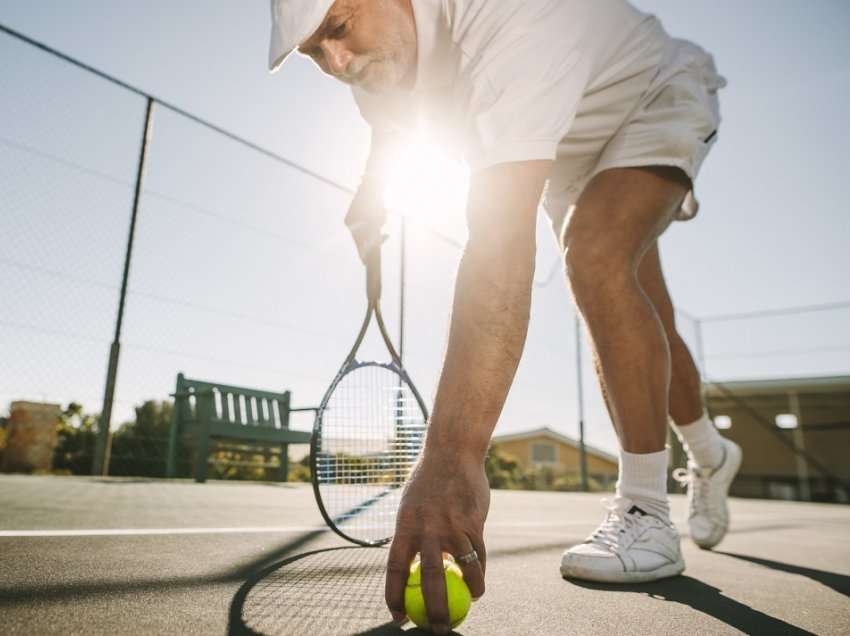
(643, 479)
(702, 442)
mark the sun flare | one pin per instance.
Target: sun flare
(425, 184)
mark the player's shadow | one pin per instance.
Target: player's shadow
(706, 599)
(838, 582)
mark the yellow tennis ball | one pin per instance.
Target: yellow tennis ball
(457, 594)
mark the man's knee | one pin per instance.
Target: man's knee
(594, 267)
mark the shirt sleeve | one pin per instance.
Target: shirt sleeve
(525, 102)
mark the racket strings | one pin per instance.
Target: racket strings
(372, 431)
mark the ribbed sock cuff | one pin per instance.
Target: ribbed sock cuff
(701, 441)
(643, 479)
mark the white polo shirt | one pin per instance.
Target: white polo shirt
(503, 80)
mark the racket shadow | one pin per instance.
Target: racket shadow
(328, 591)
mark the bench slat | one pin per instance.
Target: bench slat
(266, 412)
(225, 407)
(200, 386)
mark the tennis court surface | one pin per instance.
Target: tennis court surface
(113, 556)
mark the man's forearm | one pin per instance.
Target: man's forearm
(489, 324)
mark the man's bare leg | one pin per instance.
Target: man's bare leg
(686, 406)
(615, 223)
(685, 395)
(712, 461)
(617, 219)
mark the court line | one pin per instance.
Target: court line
(130, 532)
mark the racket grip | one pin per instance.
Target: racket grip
(373, 274)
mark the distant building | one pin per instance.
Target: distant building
(771, 418)
(543, 447)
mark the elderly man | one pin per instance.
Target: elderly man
(592, 100)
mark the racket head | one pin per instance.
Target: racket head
(367, 436)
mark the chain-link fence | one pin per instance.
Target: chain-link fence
(242, 272)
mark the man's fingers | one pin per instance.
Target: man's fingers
(473, 573)
(482, 555)
(434, 584)
(481, 549)
(398, 569)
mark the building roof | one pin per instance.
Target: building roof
(555, 435)
(822, 384)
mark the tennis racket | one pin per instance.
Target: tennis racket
(367, 436)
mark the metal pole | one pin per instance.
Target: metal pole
(104, 439)
(703, 372)
(582, 451)
(400, 434)
(401, 292)
(803, 483)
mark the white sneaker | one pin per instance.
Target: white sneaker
(708, 514)
(630, 546)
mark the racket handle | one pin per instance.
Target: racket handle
(373, 274)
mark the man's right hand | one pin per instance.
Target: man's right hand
(365, 217)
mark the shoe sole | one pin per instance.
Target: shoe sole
(712, 541)
(585, 574)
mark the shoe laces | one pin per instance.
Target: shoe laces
(698, 484)
(620, 527)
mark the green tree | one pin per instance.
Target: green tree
(300, 470)
(139, 447)
(4, 422)
(76, 433)
(502, 469)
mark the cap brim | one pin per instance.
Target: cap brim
(276, 60)
(282, 44)
(278, 50)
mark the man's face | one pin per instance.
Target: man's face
(369, 43)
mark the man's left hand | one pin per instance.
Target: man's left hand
(442, 510)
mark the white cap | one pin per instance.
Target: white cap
(293, 21)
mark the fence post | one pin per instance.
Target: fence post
(283, 470)
(104, 439)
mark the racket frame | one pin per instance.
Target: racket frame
(373, 290)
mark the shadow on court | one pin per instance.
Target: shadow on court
(837, 582)
(75, 591)
(336, 590)
(703, 598)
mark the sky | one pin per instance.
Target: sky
(243, 272)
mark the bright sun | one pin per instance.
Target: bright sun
(426, 185)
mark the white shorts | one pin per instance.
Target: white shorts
(666, 117)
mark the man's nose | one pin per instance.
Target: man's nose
(336, 56)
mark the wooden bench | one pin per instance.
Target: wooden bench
(204, 411)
